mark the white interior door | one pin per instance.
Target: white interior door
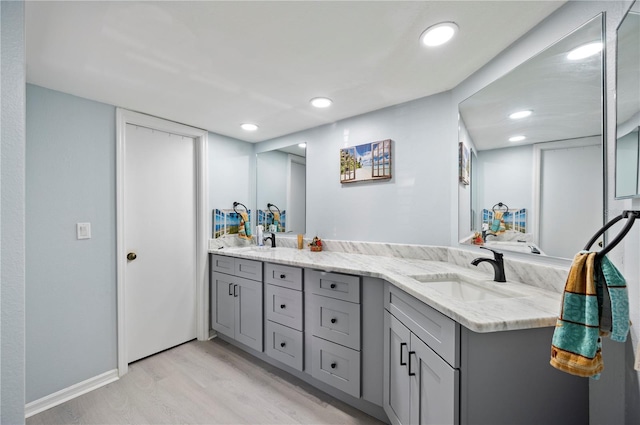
(160, 230)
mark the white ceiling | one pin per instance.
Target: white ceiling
(217, 64)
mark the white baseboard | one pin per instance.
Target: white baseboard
(68, 393)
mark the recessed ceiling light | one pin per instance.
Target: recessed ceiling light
(438, 34)
(302, 145)
(521, 114)
(321, 102)
(516, 138)
(249, 127)
(584, 51)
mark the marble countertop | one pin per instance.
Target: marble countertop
(525, 306)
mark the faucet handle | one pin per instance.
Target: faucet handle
(496, 254)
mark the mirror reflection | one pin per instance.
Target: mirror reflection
(628, 105)
(281, 189)
(536, 161)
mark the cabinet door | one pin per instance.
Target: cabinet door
(248, 313)
(434, 386)
(397, 385)
(222, 303)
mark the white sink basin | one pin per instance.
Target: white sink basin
(462, 290)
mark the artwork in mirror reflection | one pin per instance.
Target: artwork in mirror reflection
(628, 105)
(535, 137)
(281, 189)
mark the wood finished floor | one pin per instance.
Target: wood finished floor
(204, 382)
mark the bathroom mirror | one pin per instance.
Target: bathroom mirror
(628, 105)
(542, 192)
(281, 183)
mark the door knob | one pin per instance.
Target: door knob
(131, 256)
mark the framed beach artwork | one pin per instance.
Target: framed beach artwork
(371, 161)
(465, 164)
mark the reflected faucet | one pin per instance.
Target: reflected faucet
(272, 238)
(486, 234)
(497, 263)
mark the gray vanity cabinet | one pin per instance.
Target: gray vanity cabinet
(420, 387)
(236, 302)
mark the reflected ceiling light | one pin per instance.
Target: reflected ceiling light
(521, 114)
(438, 34)
(302, 145)
(321, 102)
(249, 127)
(585, 51)
(516, 138)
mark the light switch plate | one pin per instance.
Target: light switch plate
(83, 230)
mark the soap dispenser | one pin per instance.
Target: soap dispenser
(260, 235)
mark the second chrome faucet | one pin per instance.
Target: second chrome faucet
(497, 262)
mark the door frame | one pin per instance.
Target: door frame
(124, 117)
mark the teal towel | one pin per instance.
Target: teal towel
(616, 312)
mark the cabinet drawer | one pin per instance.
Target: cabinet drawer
(286, 276)
(248, 269)
(334, 285)
(222, 264)
(335, 320)
(434, 328)
(285, 345)
(284, 306)
(337, 366)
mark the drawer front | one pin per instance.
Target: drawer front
(336, 320)
(248, 269)
(337, 366)
(286, 276)
(285, 345)
(434, 328)
(222, 264)
(284, 306)
(334, 285)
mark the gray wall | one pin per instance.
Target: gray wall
(413, 207)
(71, 284)
(12, 200)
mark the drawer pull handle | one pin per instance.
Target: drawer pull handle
(282, 344)
(235, 290)
(401, 345)
(409, 368)
(283, 306)
(230, 293)
(332, 286)
(282, 276)
(334, 320)
(333, 365)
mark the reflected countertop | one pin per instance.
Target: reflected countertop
(525, 306)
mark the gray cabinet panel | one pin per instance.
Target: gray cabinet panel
(336, 365)
(336, 320)
(222, 264)
(334, 285)
(248, 313)
(434, 386)
(222, 304)
(285, 345)
(248, 269)
(284, 306)
(397, 386)
(285, 276)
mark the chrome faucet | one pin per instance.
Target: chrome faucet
(272, 238)
(497, 262)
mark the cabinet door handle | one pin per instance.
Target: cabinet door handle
(401, 345)
(282, 276)
(235, 290)
(282, 344)
(333, 365)
(334, 320)
(283, 306)
(332, 286)
(409, 368)
(230, 285)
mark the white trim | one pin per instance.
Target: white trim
(124, 117)
(69, 393)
